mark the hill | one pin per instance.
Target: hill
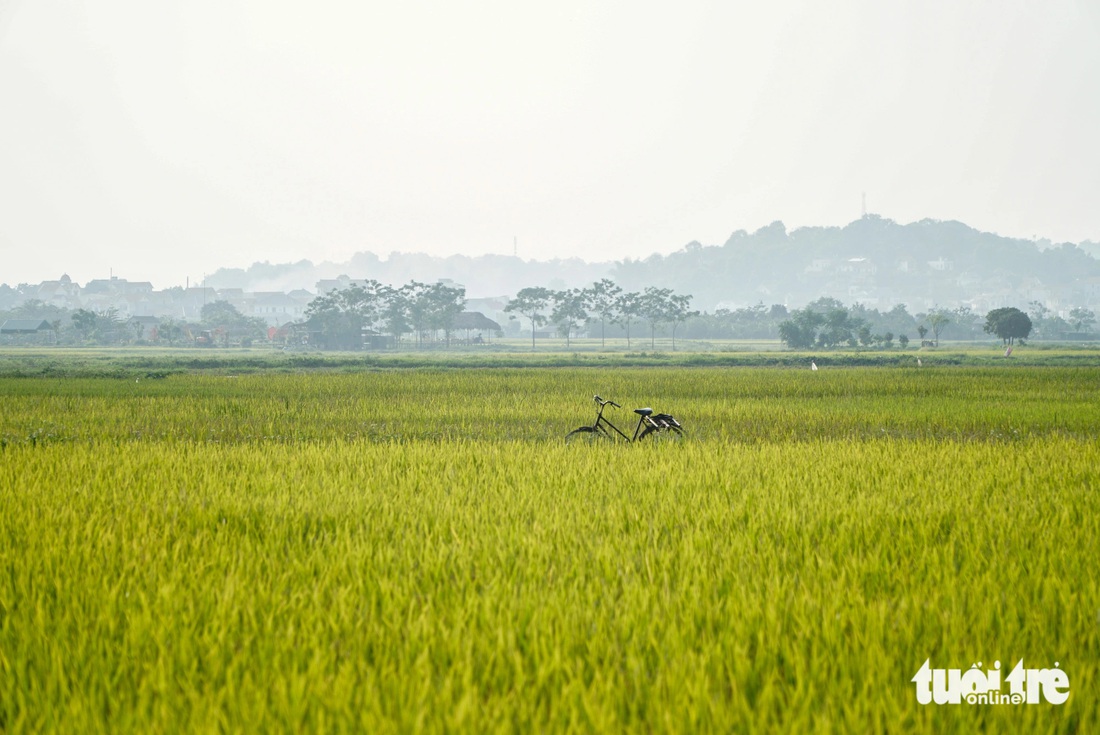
(876, 262)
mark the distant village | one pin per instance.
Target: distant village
(139, 299)
(41, 312)
(894, 279)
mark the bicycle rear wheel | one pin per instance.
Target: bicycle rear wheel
(667, 435)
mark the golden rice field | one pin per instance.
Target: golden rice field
(418, 550)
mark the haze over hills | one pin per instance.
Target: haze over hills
(879, 263)
(873, 260)
(483, 276)
(161, 141)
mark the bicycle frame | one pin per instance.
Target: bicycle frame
(647, 423)
(602, 424)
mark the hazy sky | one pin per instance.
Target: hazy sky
(164, 139)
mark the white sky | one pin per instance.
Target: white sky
(166, 139)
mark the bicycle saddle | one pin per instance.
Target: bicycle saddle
(643, 411)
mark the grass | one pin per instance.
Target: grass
(139, 362)
(417, 550)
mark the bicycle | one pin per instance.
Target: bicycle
(649, 423)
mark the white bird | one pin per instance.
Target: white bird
(919, 363)
(813, 365)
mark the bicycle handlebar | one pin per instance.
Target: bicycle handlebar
(602, 402)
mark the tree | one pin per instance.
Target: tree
(363, 301)
(654, 308)
(444, 303)
(432, 307)
(1039, 313)
(38, 309)
(600, 300)
(661, 306)
(219, 313)
(838, 327)
(1008, 323)
(800, 331)
(169, 330)
(679, 311)
(568, 311)
(1082, 319)
(103, 327)
(340, 315)
(938, 319)
(394, 312)
(864, 335)
(84, 321)
(224, 317)
(967, 321)
(417, 301)
(628, 307)
(531, 302)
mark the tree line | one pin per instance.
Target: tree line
(828, 324)
(219, 322)
(372, 313)
(602, 303)
(341, 318)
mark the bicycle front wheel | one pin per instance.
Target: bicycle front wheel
(585, 435)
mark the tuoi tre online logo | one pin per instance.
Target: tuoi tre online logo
(975, 686)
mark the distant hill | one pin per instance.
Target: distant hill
(873, 261)
(876, 262)
(483, 276)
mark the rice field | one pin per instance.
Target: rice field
(418, 550)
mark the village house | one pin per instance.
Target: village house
(275, 307)
(62, 293)
(27, 331)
